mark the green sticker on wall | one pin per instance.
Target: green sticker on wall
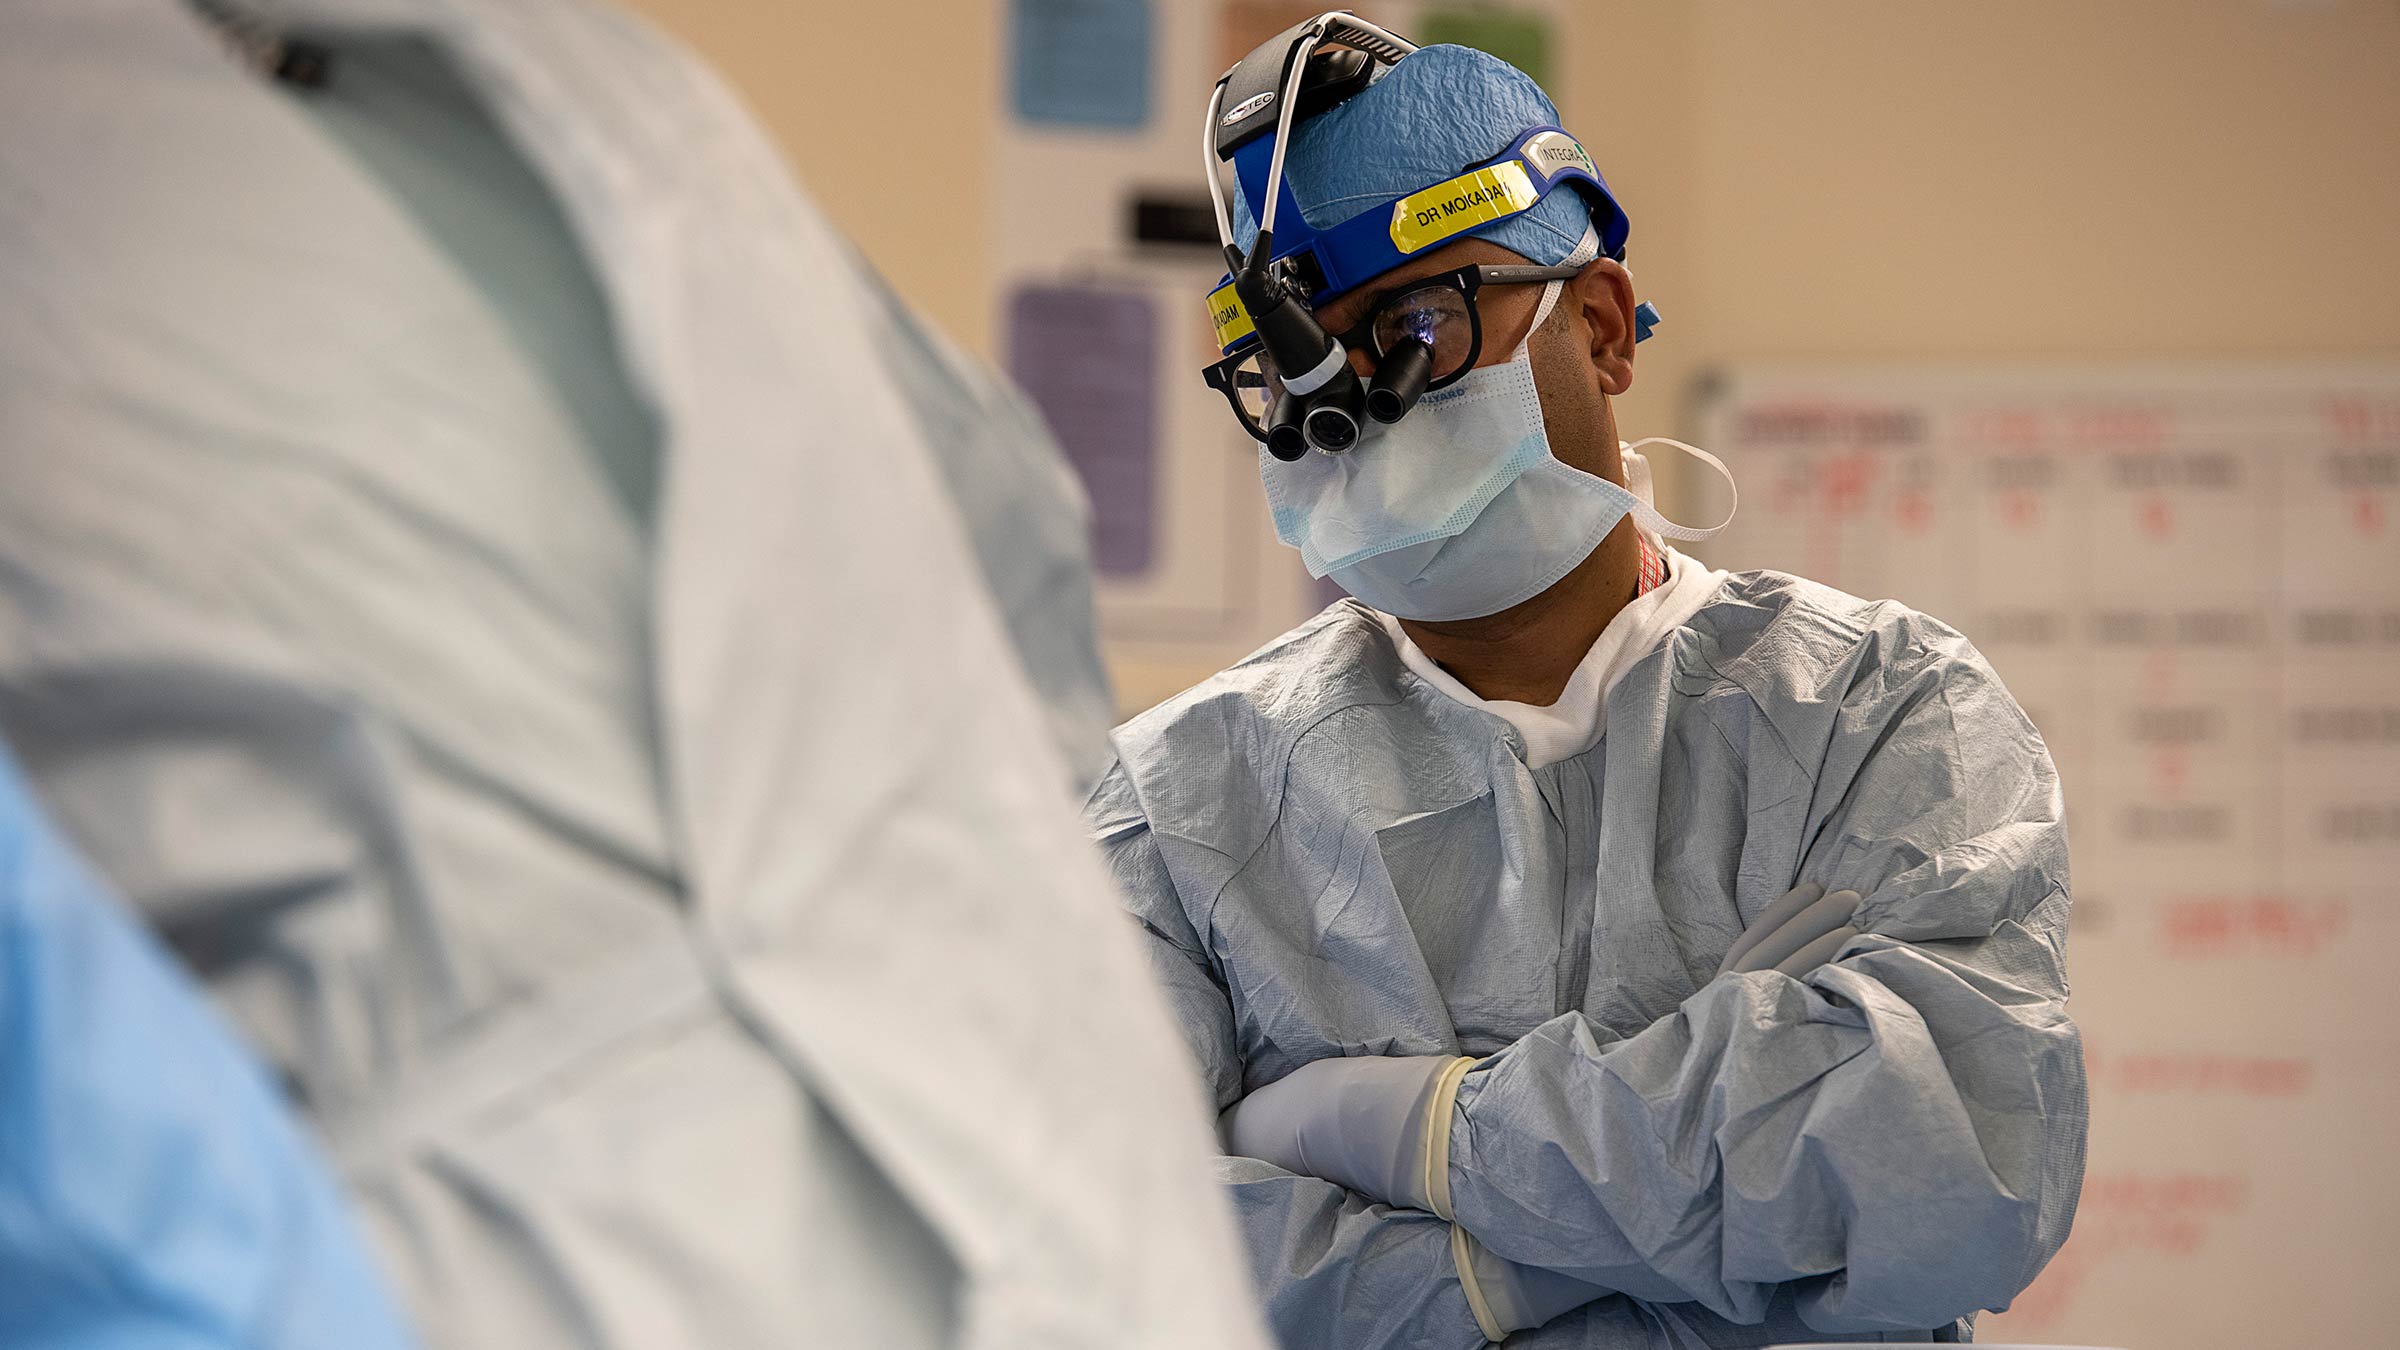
(1522, 40)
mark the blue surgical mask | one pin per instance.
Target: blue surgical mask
(1459, 510)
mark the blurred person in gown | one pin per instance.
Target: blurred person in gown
(588, 682)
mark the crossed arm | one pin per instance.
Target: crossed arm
(1380, 1127)
(1898, 1135)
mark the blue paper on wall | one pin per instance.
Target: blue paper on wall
(1088, 358)
(1082, 62)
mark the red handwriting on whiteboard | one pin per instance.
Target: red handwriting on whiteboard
(2357, 419)
(2018, 427)
(2157, 518)
(2201, 1073)
(1914, 510)
(2249, 925)
(2021, 509)
(2161, 1213)
(1847, 479)
(2174, 765)
(2136, 426)
(2158, 1211)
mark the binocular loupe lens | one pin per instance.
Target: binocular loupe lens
(1331, 422)
(1332, 430)
(1400, 380)
(1285, 440)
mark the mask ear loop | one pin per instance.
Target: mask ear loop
(1550, 292)
(1586, 249)
(1649, 515)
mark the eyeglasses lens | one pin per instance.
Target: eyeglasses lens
(1434, 315)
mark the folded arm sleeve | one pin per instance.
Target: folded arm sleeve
(1901, 1134)
(1334, 1269)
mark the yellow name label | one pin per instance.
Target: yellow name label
(1226, 315)
(1426, 218)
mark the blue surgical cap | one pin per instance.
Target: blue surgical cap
(1441, 109)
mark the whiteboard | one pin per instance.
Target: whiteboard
(2190, 578)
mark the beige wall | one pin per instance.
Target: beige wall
(886, 110)
(1875, 177)
(1838, 177)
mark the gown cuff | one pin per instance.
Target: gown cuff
(1433, 1181)
(1463, 1252)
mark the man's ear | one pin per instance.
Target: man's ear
(1603, 294)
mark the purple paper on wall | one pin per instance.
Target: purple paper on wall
(1088, 358)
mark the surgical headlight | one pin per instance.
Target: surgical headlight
(1290, 382)
(1313, 368)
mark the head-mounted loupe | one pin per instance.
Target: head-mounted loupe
(1290, 382)
(1317, 401)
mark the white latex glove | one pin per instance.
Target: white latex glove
(1376, 1125)
(1796, 934)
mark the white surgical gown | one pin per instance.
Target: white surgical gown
(664, 902)
(1331, 856)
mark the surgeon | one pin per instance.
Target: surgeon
(1586, 948)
